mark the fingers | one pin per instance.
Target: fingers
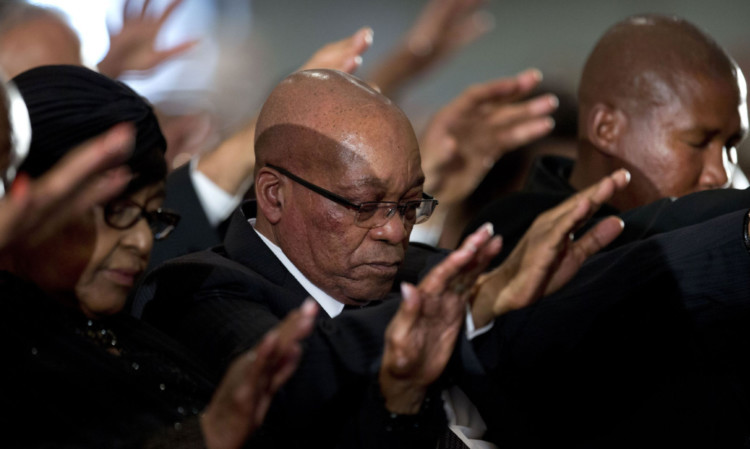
(144, 8)
(177, 50)
(401, 326)
(108, 186)
(496, 90)
(594, 196)
(503, 114)
(470, 29)
(167, 12)
(298, 324)
(84, 164)
(529, 79)
(447, 25)
(598, 237)
(344, 55)
(519, 134)
(440, 277)
(125, 8)
(509, 89)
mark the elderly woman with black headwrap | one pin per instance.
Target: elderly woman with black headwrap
(78, 372)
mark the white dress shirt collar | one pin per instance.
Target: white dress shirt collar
(332, 307)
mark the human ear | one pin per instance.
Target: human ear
(269, 194)
(604, 126)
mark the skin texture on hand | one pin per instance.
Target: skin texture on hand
(443, 28)
(344, 55)
(245, 393)
(546, 258)
(468, 135)
(420, 338)
(134, 46)
(88, 175)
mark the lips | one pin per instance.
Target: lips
(122, 276)
(384, 268)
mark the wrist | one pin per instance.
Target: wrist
(482, 301)
(400, 397)
(409, 402)
(109, 66)
(215, 436)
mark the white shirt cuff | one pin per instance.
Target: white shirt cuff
(471, 333)
(216, 202)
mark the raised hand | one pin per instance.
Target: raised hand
(245, 393)
(468, 135)
(420, 338)
(89, 175)
(344, 55)
(547, 257)
(133, 47)
(442, 28)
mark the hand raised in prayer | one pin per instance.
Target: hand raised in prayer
(88, 175)
(134, 46)
(442, 28)
(420, 338)
(241, 401)
(547, 257)
(467, 136)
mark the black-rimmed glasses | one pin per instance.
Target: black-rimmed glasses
(125, 213)
(373, 214)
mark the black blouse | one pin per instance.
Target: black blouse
(74, 382)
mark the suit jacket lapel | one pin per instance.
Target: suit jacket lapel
(243, 245)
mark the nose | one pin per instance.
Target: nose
(139, 238)
(717, 168)
(394, 231)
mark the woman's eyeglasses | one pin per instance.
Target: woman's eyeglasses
(123, 214)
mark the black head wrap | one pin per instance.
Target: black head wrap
(70, 104)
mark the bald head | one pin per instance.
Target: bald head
(325, 143)
(662, 99)
(32, 36)
(322, 118)
(640, 61)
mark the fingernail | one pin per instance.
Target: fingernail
(553, 100)
(622, 223)
(358, 60)
(537, 74)
(405, 292)
(627, 175)
(369, 34)
(489, 228)
(20, 187)
(550, 122)
(271, 335)
(309, 306)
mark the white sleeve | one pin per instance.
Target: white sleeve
(216, 202)
(470, 331)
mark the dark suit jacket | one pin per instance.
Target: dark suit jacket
(645, 346)
(221, 302)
